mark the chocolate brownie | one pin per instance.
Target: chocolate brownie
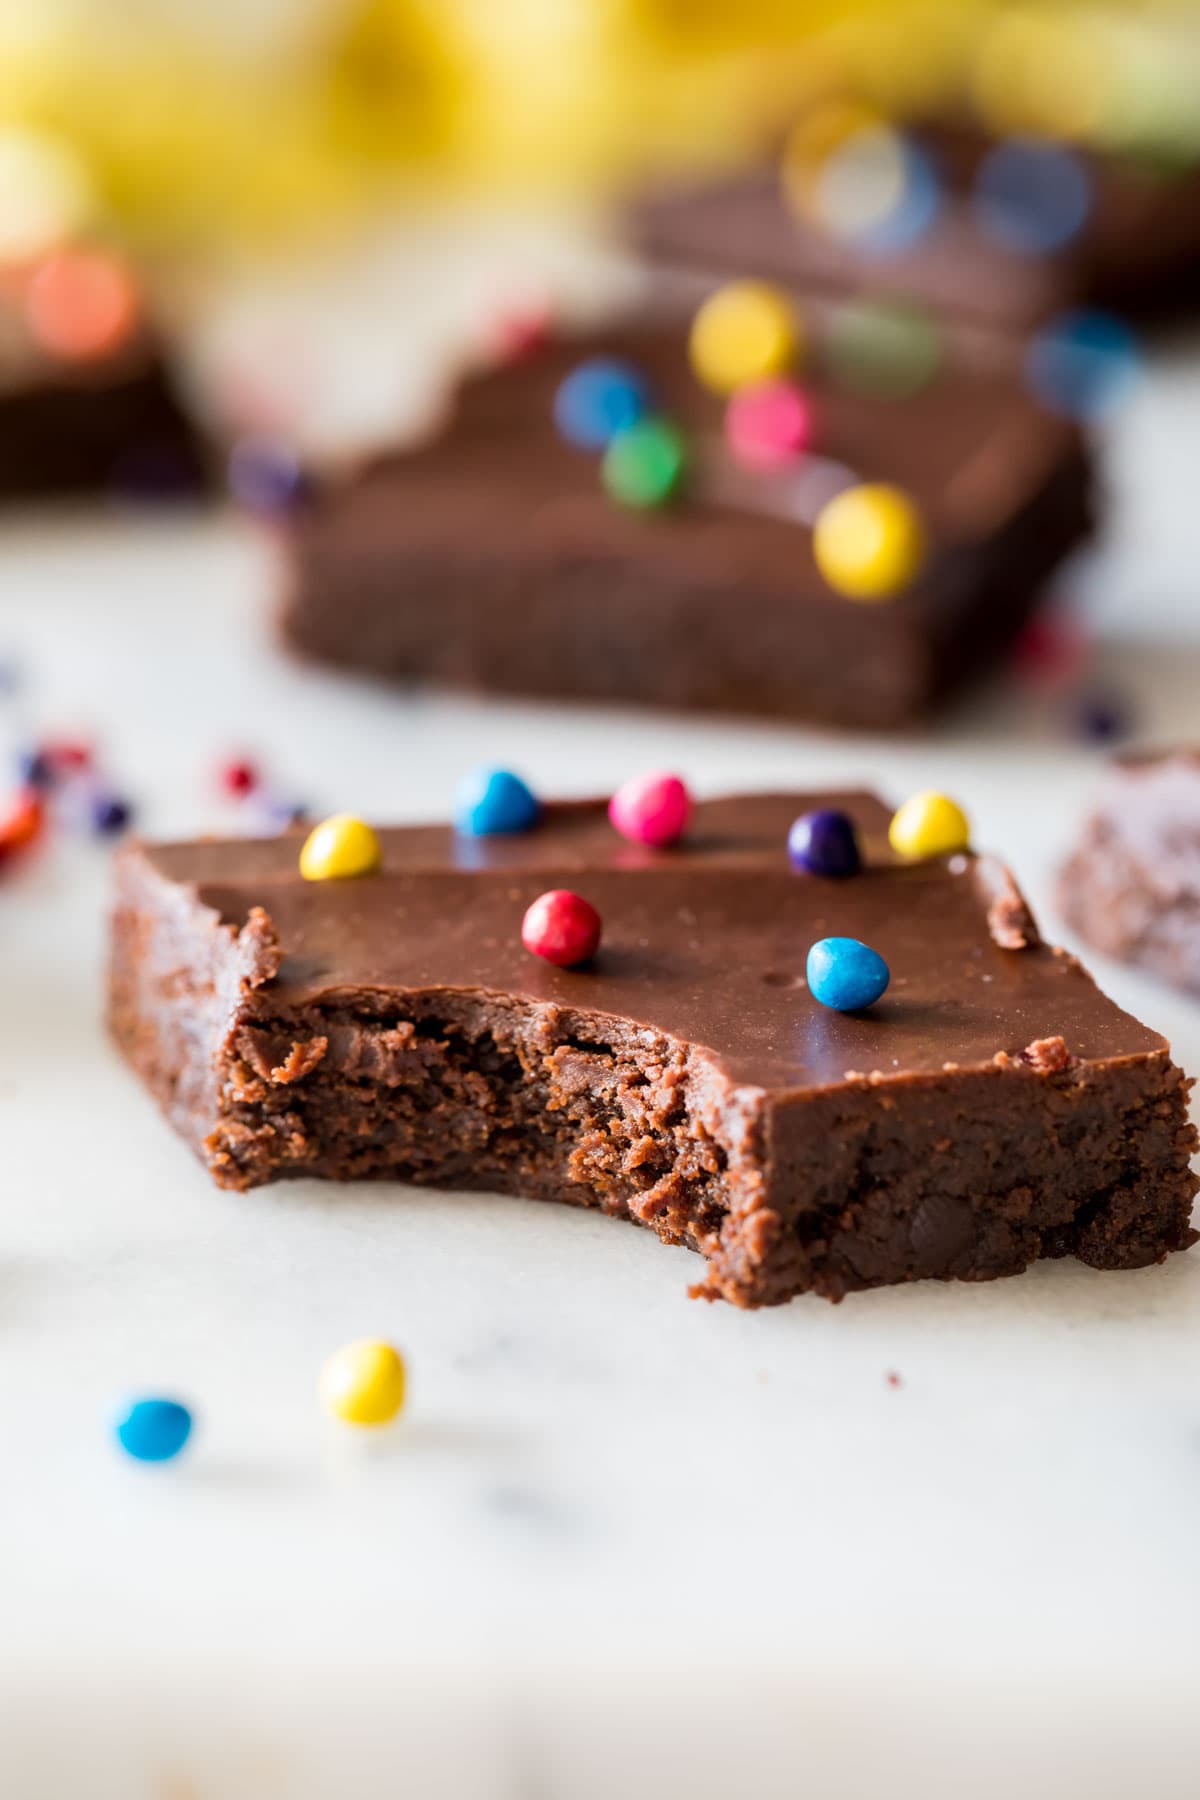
(1132, 888)
(1138, 249)
(492, 557)
(992, 1108)
(112, 422)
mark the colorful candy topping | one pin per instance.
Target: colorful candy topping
(153, 1430)
(768, 425)
(929, 824)
(845, 975)
(561, 927)
(363, 1382)
(746, 332)
(81, 304)
(825, 843)
(651, 809)
(884, 349)
(239, 777)
(645, 465)
(597, 400)
(518, 333)
(265, 477)
(1082, 364)
(494, 803)
(1032, 196)
(110, 814)
(869, 541)
(340, 847)
(21, 822)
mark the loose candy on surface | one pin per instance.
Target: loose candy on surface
(562, 928)
(645, 466)
(825, 843)
(363, 1383)
(768, 425)
(339, 847)
(153, 1429)
(600, 398)
(239, 777)
(651, 809)
(869, 541)
(844, 974)
(929, 824)
(748, 331)
(494, 802)
(22, 822)
(266, 478)
(110, 814)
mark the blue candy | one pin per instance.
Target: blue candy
(824, 843)
(153, 1430)
(1082, 364)
(1032, 197)
(845, 975)
(598, 400)
(494, 802)
(110, 814)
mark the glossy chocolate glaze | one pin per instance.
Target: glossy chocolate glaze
(705, 943)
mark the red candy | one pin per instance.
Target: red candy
(516, 336)
(239, 778)
(20, 823)
(651, 809)
(561, 927)
(67, 756)
(768, 424)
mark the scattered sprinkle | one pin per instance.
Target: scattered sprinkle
(824, 843)
(748, 331)
(363, 1383)
(152, 1429)
(869, 541)
(929, 824)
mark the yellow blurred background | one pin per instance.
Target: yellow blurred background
(245, 118)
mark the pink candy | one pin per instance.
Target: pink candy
(768, 425)
(561, 927)
(651, 809)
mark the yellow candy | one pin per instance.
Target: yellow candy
(747, 331)
(339, 846)
(363, 1382)
(869, 541)
(929, 825)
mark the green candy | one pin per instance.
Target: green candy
(645, 465)
(885, 349)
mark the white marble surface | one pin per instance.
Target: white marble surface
(620, 1542)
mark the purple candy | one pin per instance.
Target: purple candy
(110, 814)
(824, 843)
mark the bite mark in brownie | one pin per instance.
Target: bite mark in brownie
(994, 1107)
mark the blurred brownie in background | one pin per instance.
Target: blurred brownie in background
(745, 551)
(87, 402)
(999, 232)
(1132, 887)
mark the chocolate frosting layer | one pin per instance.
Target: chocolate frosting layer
(705, 943)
